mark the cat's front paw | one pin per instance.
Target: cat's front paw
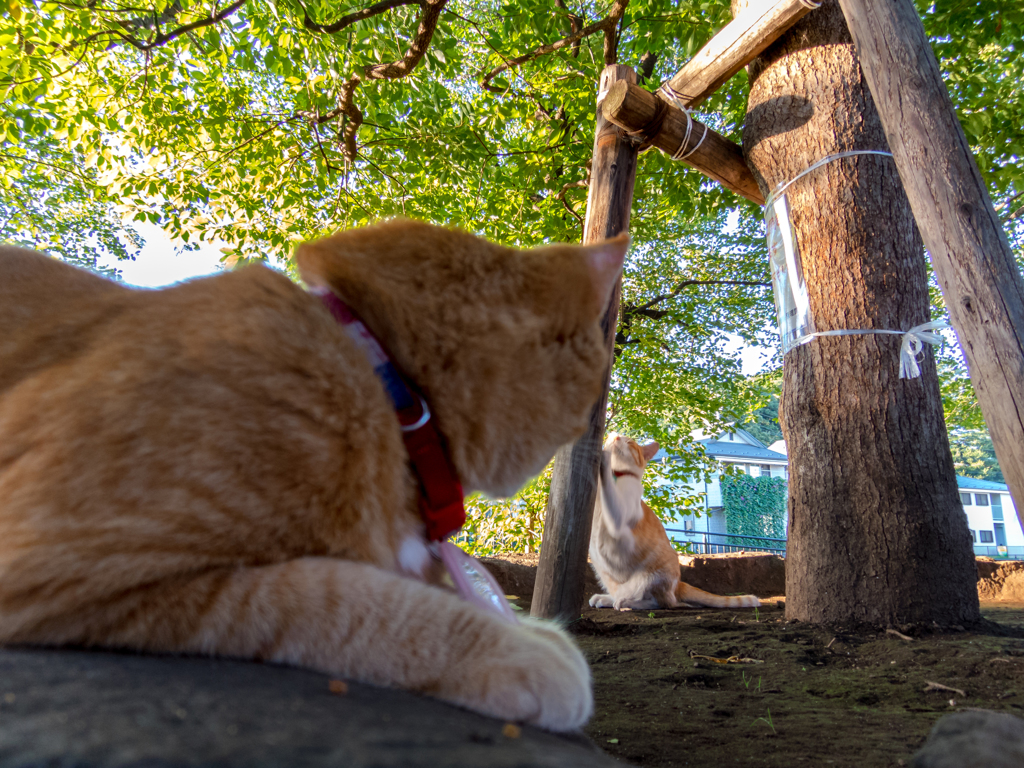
(601, 601)
(536, 675)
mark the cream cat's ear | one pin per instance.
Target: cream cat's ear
(649, 450)
(605, 261)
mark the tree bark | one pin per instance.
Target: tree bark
(971, 255)
(559, 589)
(876, 531)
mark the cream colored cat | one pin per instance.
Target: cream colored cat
(216, 468)
(629, 549)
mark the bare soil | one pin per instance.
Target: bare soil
(808, 695)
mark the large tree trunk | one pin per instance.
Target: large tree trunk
(876, 531)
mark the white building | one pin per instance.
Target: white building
(744, 452)
(991, 518)
(991, 515)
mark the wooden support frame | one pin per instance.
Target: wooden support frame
(636, 110)
(559, 589)
(971, 255)
(737, 44)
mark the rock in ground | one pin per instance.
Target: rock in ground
(72, 708)
(977, 739)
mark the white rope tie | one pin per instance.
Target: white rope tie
(815, 166)
(675, 96)
(914, 339)
(911, 347)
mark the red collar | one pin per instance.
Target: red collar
(618, 473)
(440, 498)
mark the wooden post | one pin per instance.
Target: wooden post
(559, 589)
(970, 253)
(632, 108)
(737, 44)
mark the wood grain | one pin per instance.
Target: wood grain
(559, 589)
(633, 109)
(970, 252)
(734, 46)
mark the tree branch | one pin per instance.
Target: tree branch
(351, 18)
(162, 38)
(606, 25)
(417, 48)
(641, 309)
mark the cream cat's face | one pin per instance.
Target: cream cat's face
(627, 457)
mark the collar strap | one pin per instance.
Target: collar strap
(440, 497)
(617, 473)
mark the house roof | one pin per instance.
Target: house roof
(720, 449)
(980, 485)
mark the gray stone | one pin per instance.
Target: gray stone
(68, 708)
(975, 739)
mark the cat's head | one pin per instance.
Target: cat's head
(626, 456)
(505, 344)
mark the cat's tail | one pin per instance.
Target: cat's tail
(687, 594)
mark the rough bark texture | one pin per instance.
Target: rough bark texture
(561, 573)
(876, 532)
(980, 281)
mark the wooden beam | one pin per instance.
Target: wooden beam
(970, 252)
(559, 589)
(633, 109)
(734, 46)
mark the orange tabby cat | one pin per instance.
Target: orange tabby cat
(629, 549)
(216, 468)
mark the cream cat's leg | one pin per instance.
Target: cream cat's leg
(354, 620)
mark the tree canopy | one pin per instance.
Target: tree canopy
(260, 123)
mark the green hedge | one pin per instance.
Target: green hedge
(755, 506)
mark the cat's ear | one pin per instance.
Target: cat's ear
(605, 261)
(649, 450)
(310, 259)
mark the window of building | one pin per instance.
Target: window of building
(974, 535)
(687, 525)
(986, 537)
(766, 470)
(981, 499)
(997, 506)
(965, 499)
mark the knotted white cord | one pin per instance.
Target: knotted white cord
(914, 339)
(910, 348)
(676, 98)
(824, 161)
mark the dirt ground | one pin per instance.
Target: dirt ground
(806, 696)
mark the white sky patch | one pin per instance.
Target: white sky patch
(753, 359)
(158, 264)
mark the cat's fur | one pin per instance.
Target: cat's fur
(215, 468)
(629, 549)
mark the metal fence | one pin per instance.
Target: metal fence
(1000, 553)
(707, 543)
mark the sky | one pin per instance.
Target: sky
(158, 265)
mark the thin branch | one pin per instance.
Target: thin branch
(162, 38)
(643, 308)
(417, 48)
(606, 25)
(62, 169)
(351, 18)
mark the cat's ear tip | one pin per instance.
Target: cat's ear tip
(306, 257)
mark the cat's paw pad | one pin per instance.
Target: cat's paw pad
(537, 676)
(601, 601)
